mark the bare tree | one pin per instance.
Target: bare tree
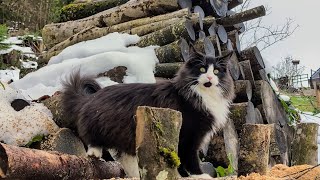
(286, 69)
(261, 35)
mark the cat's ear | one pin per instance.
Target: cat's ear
(225, 59)
(192, 49)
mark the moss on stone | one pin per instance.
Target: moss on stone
(170, 156)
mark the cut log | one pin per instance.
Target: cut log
(171, 53)
(56, 33)
(96, 32)
(55, 106)
(234, 3)
(233, 66)
(246, 72)
(24, 163)
(222, 34)
(253, 54)
(167, 70)
(274, 114)
(157, 138)
(260, 107)
(243, 16)
(223, 145)
(254, 149)
(220, 7)
(272, 108)
(72, 11)
(259, 118)
(242, 113)
(243, 90)
(234, 37)
(279, 145)
(304, 146)
(261, 75)
(166, 35)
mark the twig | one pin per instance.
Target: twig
(305, 171)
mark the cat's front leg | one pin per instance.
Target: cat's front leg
(94, 151)
(194, 167)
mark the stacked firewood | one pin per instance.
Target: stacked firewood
(257, 130)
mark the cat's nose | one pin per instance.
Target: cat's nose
(209, 77)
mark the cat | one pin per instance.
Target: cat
(202, 91)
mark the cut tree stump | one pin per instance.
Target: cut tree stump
(242, 113)
(254, 149)
(56, 33)
(157, 139)
(246, 72)
(304, 146)
(24, 163)
(243, 90)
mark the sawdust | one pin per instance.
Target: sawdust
(283, 172)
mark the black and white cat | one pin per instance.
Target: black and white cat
(202, 91)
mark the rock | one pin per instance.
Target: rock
(64, 141)
(208, 168)
(116, 74)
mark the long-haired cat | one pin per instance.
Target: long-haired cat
(202, 91)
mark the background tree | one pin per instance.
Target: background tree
(257, 33)
(286, 70)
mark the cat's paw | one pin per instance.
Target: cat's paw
(201, 176)
(94, 152)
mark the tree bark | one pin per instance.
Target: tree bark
(157, 138)
(242, 16)
(253, 54)
(233, 65)
(246, 72)
(96, 32)
(166, 35)
(56, 33)
(304, 146)
(24, 163)
(242, 113)
(167, 70)
(243, 90)
(81, 10)
(254, 149)
(234, 3)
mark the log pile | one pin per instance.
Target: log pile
(210, 24)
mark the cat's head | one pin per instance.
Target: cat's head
(206, 72)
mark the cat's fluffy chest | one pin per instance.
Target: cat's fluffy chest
(213, 101)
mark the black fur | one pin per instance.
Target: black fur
(106, 117)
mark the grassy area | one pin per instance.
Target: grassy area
(303, 103)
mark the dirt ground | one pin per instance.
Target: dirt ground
(281, 172)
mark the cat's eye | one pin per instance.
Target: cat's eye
(216, 71)
(203, 70)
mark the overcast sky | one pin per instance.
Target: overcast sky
(304, 44)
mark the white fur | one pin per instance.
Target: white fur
(94, 151)
(130, 165)
(212, 99)
(201, 176)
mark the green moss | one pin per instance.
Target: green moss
(81, 10)
(170, 156)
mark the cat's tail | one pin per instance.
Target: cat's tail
(76, 91)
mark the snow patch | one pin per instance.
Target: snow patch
(18, 128)
(8, 75)
(92, 58)
(111, 42)
(27, 51)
